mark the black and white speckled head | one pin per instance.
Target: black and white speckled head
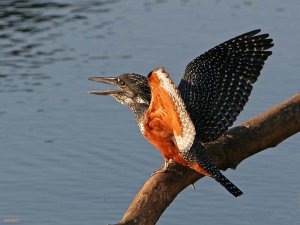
(132, 90)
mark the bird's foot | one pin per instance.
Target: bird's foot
(193, 186)
(162, 169)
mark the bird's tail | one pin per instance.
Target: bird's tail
(204, 165)
(228, 185)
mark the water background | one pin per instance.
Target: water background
(70, 158)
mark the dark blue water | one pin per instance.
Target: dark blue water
(71, 158)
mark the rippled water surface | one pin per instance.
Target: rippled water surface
(71, 158)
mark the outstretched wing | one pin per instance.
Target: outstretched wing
(216, 85)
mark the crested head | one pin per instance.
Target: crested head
(132, 90)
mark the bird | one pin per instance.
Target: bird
(211, 94)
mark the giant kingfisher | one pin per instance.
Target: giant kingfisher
(213, 91)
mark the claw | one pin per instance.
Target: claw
(163, 169)
(193, 186)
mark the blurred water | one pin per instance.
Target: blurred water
(71, 158)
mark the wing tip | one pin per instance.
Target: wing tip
(253, 32)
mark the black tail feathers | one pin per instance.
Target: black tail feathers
(228, 185)
(199, 157)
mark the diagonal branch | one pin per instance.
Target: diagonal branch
(263, 131)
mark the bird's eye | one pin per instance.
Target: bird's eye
(121, 82)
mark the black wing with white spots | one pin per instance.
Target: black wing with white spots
(216, 85)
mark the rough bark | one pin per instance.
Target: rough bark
(262, 132)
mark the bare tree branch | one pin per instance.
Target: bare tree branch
(264, 131)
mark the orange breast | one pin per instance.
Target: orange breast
(161, 122)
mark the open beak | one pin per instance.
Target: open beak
(106, 80)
